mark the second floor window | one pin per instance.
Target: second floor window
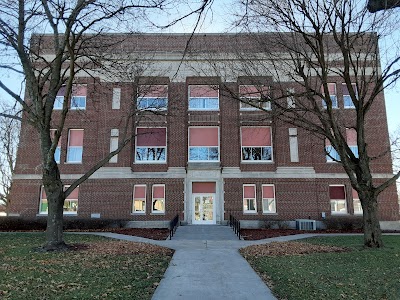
(347, 101)
(57, 152)
(151, 145)
(75, 146)
(203, 97)
(203, 144)
(256, 144)
(78, 97)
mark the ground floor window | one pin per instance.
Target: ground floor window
(139, 199)
(337, 197)
(158, 199)
(356, 203)
(70, 203)
(249, 198)
(268, 198)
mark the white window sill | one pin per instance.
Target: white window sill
(257, 161)
(73, 163)
(270, 213)
(250, 213)
(77, 108)
(64, 214)
(349, 107)
(150, 162)
(335, 213)
(203, 109)
(255, 109)
(135, 213)
(358, 214)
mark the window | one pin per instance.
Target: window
(332, 94)
(256, 144)
(203, 144)
(70, 204)
(348, 102)
(152, 97)
(75, 146)
(139, 199)
(59, 101)
(293, 144)
(356, 203)
(151, 145)
(114, 145)
(351, 138)
(203, 97)
(337, 197)
(290, 98)
(78, 99)
(57, 152)
(249, 198)
(254, 97)
(158, 201)
(268, 198)
(331, 154)
(116, 98)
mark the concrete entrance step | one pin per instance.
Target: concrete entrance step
(205, 232)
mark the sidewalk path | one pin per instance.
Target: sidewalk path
(207, 265)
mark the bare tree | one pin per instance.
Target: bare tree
(9, 135)
(378, 5)
(74, 43)
(311, 44)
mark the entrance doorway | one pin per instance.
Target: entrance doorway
(203, 209)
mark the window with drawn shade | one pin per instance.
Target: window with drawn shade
(139, 199)
(152, 97)
(337, 196)
(75, 146)
(347, 101)
(254, 97)
(268, 198)
(57, 152)
(151, 145)
(256, 144)
(356, 203)
(249, 198)
(203, 97)
(78, 99)
(332, 94)
(70, 203)
(203, 144)
(158, 201)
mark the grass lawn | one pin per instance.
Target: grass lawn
(104, 269)
(358, 274)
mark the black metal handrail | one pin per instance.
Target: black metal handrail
(173, 225)
(235, 224)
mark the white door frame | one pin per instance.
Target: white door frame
(201, 195)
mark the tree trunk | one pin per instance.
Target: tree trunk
(372, 229)
(55, 201)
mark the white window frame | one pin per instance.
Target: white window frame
(267, 211)
(114, 145)
(291, 103)
(148, 147)
(347, 96)
(333, 154)
(139, 212)
(334, 99)
(246, 200)
(116, 98)
(153, 211)
(64, 212)
(253, 147)
(293, 145)
(58, 103)
(73, 147)
(209, 150)
(339, 201)
(204, 99)
(262, 105)
(358, 202)
(75, 107)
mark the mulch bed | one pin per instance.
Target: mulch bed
(259, 234)
(150, 233)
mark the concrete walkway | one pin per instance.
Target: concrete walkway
(207, 265)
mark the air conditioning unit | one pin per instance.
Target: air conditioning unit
(306, 224)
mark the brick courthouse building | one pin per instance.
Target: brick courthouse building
(198, 152)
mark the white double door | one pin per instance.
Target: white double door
(204, 209)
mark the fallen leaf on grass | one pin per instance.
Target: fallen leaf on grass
(288, 248)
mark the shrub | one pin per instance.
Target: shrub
(344, 223)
